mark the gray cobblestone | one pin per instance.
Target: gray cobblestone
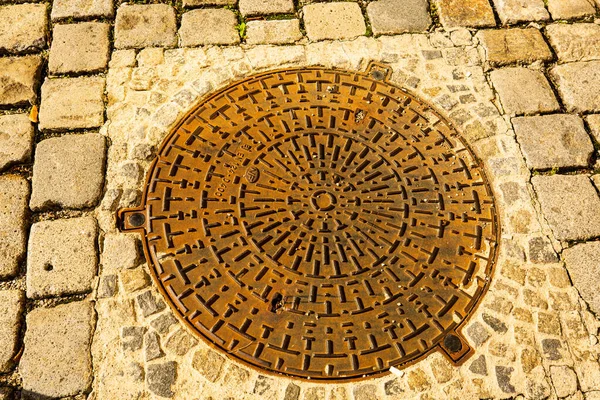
(578, 85)
(398, 16)
(568, 9)
(581, 261)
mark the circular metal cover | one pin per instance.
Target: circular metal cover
(318, 223)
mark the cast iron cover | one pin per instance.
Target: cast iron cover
(317, 223)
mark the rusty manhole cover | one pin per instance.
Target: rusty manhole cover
(318, 223)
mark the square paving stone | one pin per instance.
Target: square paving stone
(455, 13)
(62, 9)
(79, 48)
(342, 20)
(68, 172)
(264, 7)
(567, 9)
(506, 46)
(11, 308)
(570, 204)
(523, 91)
(61, 257)
(208, 26)
(398, 16)
(14, 195)
(139, 26)
(57, 359)
(16, 139)
(199, 3)
(578, 85)
(515, 11)
(19, 78)
(23, 28)
(575, 42)
(551, 141)
(273, 32)
(72, 103)
(582, 262)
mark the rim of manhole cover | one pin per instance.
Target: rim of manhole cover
(322, 224)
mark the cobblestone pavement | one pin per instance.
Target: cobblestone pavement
(89, 88)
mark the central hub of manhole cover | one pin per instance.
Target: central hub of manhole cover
(319, 223)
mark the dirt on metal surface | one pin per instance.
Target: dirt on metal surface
(322, 224)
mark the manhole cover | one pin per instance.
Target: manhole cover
(318, 223)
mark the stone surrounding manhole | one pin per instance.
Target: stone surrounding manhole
(320, 224)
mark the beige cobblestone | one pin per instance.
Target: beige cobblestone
(11, 308)
(19, 78)
(23, 28)
(342, 20)
(551, 141)
(581, 261)
(199, 3)
(61, 257)
(523, 91)
(453, 13)
(16, 139)
(515, 11)
(575, 42)
(14, 193)
(208, 26)
(62, 9)
(57, 361)
(79, 48)
(567, 9)
(139, 26)
(506, 46)
(578, 85)
(261, 7)
(569, 203)
(273, 32)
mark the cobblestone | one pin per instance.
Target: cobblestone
(120, 251)
(61, 257)
(342, 20)
(453, 13)
(78, 48)
(551, 141)
(63, 9)
(398, 16)
(575, 42)
(273, 32)
(11, 309)
(582, 260)
(139, 26)
(564, 380)
(72, 103)
(149, 304)
(569, 203)
(523, 91)
(16, 139)
(14, 193)
(152, 349)
(23, 28)
(161, 377)
(19, 78)
(507, 46)
(568, 9)
(200, 3)
(578, 85)
(57, 360)
(261, 7)
(208, 26)
(593, 122)
(134, 279)
(208, 363)
(68, 172)
(515, 11)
